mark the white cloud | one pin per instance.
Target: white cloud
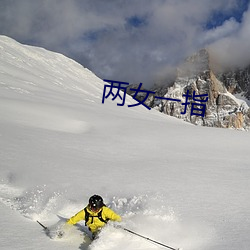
(228, 28)
(233, 50)
(97, 33)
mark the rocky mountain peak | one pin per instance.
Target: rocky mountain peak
(223, 109)
(197, 64)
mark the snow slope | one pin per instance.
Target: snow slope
(176, 183)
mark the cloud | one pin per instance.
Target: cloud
(134, 41)
(232, 50)
(228, 28)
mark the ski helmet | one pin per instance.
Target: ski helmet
(95, 202)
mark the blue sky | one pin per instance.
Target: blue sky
(133, 40)
(218, 17)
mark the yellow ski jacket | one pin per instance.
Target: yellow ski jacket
(94, 223)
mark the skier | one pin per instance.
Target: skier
(95, 214)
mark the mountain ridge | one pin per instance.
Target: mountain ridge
(223, 109)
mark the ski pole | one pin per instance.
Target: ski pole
(146, 238)
(45, 228)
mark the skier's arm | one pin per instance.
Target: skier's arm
(77, 217)
(110, 214)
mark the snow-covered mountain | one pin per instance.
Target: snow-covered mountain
(227, 94)
(182, 185)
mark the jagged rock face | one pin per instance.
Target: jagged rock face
(222, 108)
(237, 81)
